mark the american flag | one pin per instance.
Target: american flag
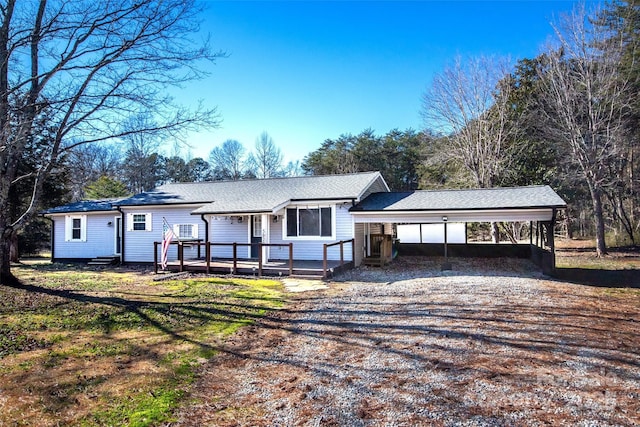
(167, 236)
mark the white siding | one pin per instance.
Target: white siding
(360, 244)
(388, 229)
(312, 249)
(138, 244)
(100, 237)
(280, 252)
(376, 228)
(227, 229)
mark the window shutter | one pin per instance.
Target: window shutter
(83, 228)
(194, 231)
(147, 222)
(67, 228)
(129, 222)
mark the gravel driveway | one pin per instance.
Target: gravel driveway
(491, 343)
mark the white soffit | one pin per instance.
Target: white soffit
(424, 217)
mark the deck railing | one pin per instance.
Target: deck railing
(234, 257)
(341, 243)
(208, 245)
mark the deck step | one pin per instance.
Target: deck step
(374, 262)
(104, 260)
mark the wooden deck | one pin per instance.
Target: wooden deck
(324, 268)
(249, 267)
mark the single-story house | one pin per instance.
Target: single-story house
(296, 219)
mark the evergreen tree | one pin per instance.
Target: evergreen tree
(106, 188)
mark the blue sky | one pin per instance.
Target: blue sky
(308, 71)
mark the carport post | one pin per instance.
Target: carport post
(552, 244)
(446, 265)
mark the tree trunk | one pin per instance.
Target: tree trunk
(495, 233)
(6, 278)
(596, 198)
(14, 253)
(567, 222)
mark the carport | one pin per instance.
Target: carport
(536, 205)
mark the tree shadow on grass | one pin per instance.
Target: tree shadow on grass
(172, 318)
(490, 339)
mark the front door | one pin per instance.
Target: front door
(118, 235)
(256, 234)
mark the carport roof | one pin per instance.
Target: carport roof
(532, 197)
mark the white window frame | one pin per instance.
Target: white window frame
(192, 235)
(68, 228)
(147, 221)
(304, 207)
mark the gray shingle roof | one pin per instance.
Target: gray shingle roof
(85, 206)
(262, 195)
(471, 199)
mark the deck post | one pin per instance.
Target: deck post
(530, 233)
(290, 259)
(235, 258)
(353, 252)
(155, 257)
(207, 253)
(259, 259)
(341, 253)
(181, 256)
(324, 261)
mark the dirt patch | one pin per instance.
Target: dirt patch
(490, 343)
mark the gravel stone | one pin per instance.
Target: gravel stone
(491, 343)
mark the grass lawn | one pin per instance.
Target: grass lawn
(582, 254)
(82, 347)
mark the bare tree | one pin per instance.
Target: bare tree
(229, 161)
(293, 168)
(266, 159)
(84, 67)
(469, 104)
(587, 103)
(89, 162)
(142, 164)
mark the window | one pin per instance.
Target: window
(309, 222)
(186, 231)
(139, 222)
(257, 226)
(76, 228)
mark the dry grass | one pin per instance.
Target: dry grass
(84, 347)
(582, 254)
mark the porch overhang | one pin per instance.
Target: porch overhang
(453, 215)
(230, 213)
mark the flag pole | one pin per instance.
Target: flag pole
(167, 236)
